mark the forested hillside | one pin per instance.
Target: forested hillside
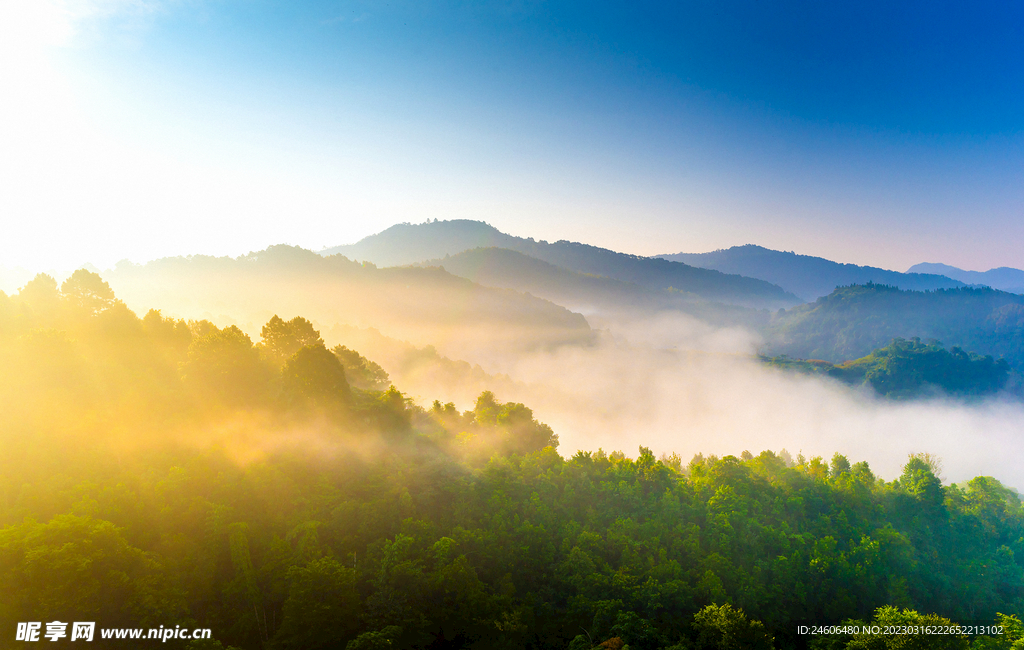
(807, 276)
(423, 306)
(282, 493)
(410, 244)
(907, 369)
(852, 321)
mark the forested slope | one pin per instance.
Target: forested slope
(912, 368)
(161, 472)
(852, 321)
(423, 306)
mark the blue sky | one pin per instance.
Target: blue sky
(864, 132)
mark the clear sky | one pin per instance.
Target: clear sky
(870, 132)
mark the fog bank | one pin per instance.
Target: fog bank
(675, 384)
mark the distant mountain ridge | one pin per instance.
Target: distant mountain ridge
(805, 275)
(509, 269)
(582, 292)
(1003, 278)
(405, 244)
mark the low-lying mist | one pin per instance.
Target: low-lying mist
(667, 381)
(675, 384)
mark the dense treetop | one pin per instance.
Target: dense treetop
(905, 369)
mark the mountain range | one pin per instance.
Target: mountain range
(591, 295)
(851, 309)
(518, 294)
(1003, 278)
(811, 277)
(405, 244)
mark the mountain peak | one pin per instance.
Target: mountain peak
(408, 243)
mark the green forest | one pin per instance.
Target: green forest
(285, 495)
(910, 369)
(852, 321)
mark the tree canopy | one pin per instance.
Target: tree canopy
(161, 472)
